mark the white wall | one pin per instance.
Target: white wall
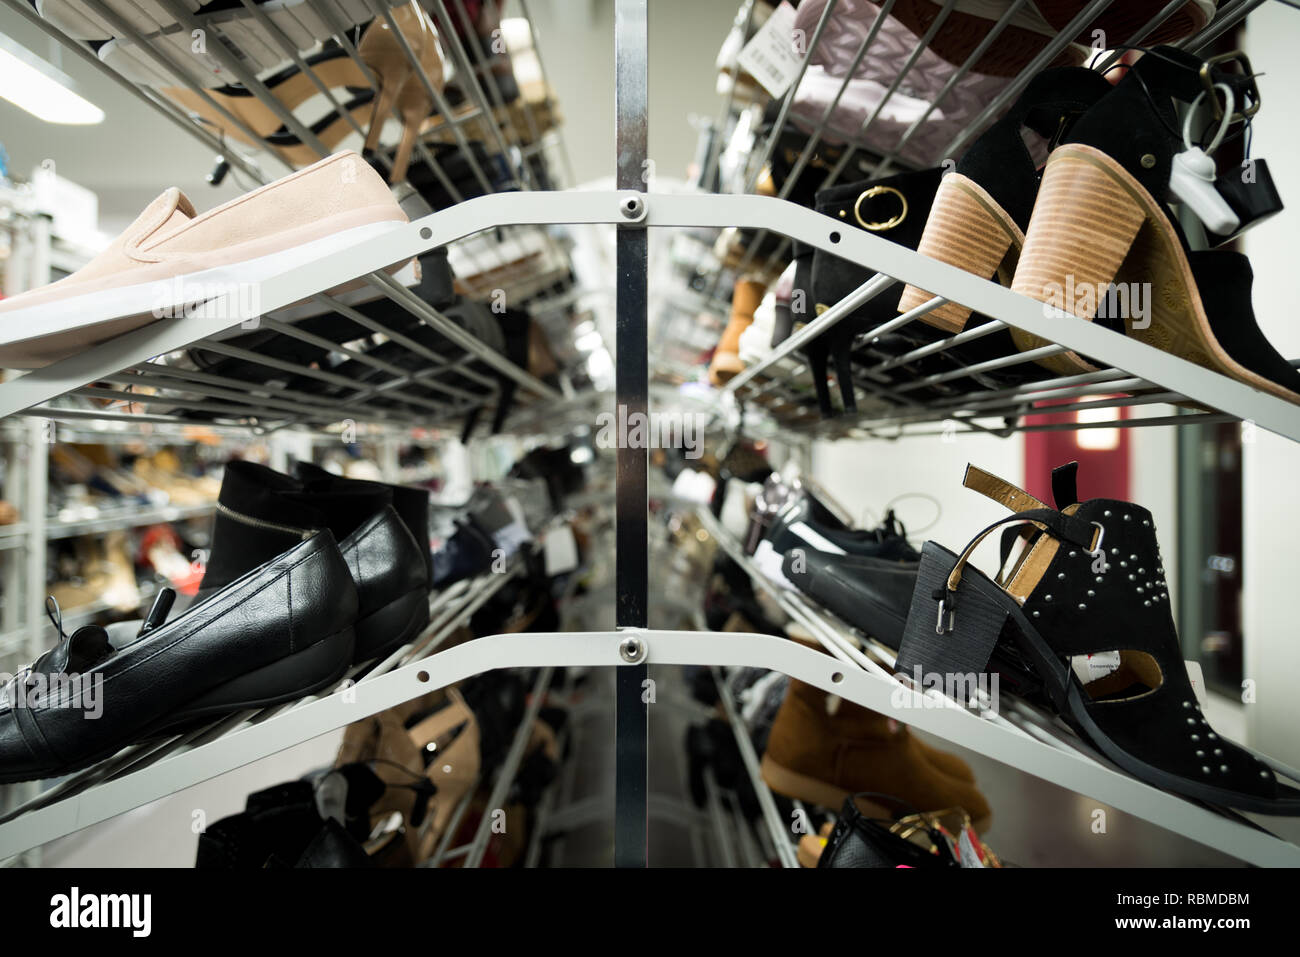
(576, 38)
(1271, 464)
(864, 476)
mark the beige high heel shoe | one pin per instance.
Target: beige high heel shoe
(449, 741)
(398, 84)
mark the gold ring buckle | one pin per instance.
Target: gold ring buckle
(1207, 80)
(888, 223)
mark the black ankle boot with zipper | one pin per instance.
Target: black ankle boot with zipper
(262, 513)
(1087, 606)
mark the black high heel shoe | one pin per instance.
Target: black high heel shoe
(896, 208)
(1088, 608)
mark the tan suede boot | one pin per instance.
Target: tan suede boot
(949, 764)
(822, 749)
(726, 364)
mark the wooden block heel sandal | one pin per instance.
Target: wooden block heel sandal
(1088, 609)
(399, 86)
(1103, 241)
(982, 209)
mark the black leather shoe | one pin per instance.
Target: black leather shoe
(277, 633)
(806, 524)
(410, 503)
(466, 553)
(871, 594)
(874, 595)
(261, 512)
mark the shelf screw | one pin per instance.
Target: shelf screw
(632, 207)
(632, 650)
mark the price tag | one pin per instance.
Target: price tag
(770, 57)
(560, 551)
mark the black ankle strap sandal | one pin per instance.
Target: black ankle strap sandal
(1087, 607)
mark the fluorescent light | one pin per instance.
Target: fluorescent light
(31, 84)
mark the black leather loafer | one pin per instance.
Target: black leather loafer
(261, 512)
(871, 594)
(281, 631)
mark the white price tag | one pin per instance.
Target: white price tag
(560, 551)
(770, 57)
(1098, 665)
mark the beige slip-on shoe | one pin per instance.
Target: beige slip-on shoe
(172, 259)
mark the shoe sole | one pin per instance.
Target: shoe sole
(256, 115)
(1094, 225)
(64, 330)
(1121, 21)
(396, 624)
(302, 673)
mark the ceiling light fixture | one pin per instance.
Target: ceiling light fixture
(44, 91)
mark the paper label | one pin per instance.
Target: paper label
(560, 551)
(1091, 667)
(967, 854)
(770, 57)
(694, 486)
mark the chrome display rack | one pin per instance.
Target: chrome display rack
(1020, 739)
(781, 386)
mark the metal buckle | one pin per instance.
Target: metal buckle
(939, 628)
(1101, 537)
(886, 224)
(1207, 81)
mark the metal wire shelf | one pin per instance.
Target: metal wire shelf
(882, 152)
(503, 143)
(68, 805)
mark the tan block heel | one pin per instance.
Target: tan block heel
(969, 230)
(1095, 224)
(1084, 223)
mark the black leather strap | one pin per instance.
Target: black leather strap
(1065, 487)
(1065, 527)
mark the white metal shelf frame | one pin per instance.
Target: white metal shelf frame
(1177, 378)
(927, 712)
(870, 689)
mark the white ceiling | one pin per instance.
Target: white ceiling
(128, 159)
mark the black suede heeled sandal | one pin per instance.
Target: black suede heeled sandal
(1102, 230)
(1088, 607)
(983, 206)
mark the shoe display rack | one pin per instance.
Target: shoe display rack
(1131, 374)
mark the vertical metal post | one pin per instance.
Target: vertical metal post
(631, 48)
